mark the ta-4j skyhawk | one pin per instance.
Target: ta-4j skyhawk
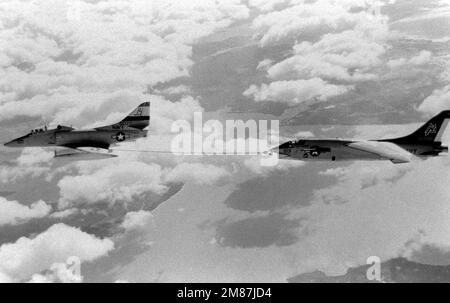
(424, 142)
(81, 142)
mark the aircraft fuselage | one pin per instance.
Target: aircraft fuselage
(78, 143)
(77, 138)
(338, 150)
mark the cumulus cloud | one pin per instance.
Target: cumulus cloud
(121, 182)
(32, 156)
(439, 100)
(28, 256)
(164, 113)
(71, 67)
(341, 41)
(60, 272)
(345, 56)
(300, 20)
(422, 58)
(129, 180)
(12, 212)
(5, 278)
(374, 210)
(137, 220)
(264, 64)
(295, 91)
(31, 162)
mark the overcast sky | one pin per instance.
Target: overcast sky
(347, 68)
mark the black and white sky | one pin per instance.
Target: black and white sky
(325, 68)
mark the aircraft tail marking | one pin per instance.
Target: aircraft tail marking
(429, 132)
(139, 118)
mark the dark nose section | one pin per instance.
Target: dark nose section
(12, 143)
(286, 145)
(283, 149)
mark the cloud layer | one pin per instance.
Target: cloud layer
(27, 256)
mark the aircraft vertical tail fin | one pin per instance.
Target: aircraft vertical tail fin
(429, 132)
(139, 118)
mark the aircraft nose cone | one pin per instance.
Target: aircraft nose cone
(283, 149)
(11, 143)
(283, 146)
(274, 150)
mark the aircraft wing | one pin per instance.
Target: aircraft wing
(83, 154)
(385, 150)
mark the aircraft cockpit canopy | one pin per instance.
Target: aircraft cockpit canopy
(295, 143)
(39, 130)
(45, 129)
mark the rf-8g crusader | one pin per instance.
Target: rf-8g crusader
(88, 142)
(424, 142)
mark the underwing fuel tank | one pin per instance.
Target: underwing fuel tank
(83, 154)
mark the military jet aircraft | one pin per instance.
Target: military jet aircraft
(424, 142)
(86, 142)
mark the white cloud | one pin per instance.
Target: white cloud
(345, 56)
(374, 210)
(295, 91)
(264, 64)
(253, 164)
(438, 101)
(304, 134)
(59, 272)
(65, 69)
(28, 256)
(341, 41)
(310, 19)
(267, 5)
(137, 220)
(164, 113)
(31, 162)
(64, 213)
(120, 182)
(422, 58)
(12, 212)
(32, 156)
(198, 173)
(5, 278)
